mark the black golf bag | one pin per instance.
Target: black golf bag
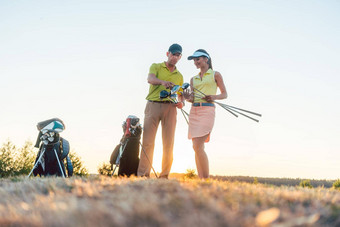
(126, 154)
(53, 151)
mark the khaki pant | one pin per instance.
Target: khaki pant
(166, 113)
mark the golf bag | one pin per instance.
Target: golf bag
(126, 154)
(53, 150)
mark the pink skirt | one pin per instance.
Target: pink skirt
(201, 121)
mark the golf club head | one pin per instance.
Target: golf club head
(173, 96)
(175, 89)
(185, 86)
(163, 94)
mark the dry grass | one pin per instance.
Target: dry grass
(103, 201)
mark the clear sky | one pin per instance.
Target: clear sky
(86, 62)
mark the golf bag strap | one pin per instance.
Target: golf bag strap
(69, 166)
(64, 148)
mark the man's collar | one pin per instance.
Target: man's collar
(164, 65)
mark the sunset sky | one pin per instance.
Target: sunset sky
(86, 62)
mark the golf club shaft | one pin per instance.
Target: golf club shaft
(186, 113)
(241, 113)
(227, 109)
(114, 170)
(231, 107)
(148, 159)
(257, 114)
(199, 91)
(183, 111)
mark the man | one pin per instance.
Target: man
(161, 76)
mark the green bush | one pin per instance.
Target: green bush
(336, 184)
(16, 161)
(105, 169)
(306, 184)
(7, 156)
(78, 166)
(190, 174)
(25, 159)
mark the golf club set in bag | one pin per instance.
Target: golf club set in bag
(126, 154)
(53, 150)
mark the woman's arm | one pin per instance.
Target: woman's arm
(221, 86)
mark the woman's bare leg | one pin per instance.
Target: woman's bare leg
(201, 157)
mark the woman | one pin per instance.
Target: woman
(202, 113)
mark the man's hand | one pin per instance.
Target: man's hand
(167, 84)
(179, 105)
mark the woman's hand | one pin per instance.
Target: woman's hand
(187, 94)
(210, 98)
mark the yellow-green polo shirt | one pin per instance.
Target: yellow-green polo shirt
(206, 85)
(163, 73)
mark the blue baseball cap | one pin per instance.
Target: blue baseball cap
(175, 48)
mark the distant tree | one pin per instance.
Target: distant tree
(78, 167)
(256, 181)
(104, 169)
(336, 184)
(7, 155)
(306, 184)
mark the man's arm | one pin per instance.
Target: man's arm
(152, 79)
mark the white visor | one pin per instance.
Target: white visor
(198, 54)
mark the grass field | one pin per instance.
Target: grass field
(104, 201)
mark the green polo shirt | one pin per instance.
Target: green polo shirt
(163, 73)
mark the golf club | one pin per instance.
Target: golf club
(148, 159)
(121, 151)
(172, 96)
(230, 109)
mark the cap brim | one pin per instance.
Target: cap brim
(176, 51)
(198, 54)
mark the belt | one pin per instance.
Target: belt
(165, 102)
(203, 104)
